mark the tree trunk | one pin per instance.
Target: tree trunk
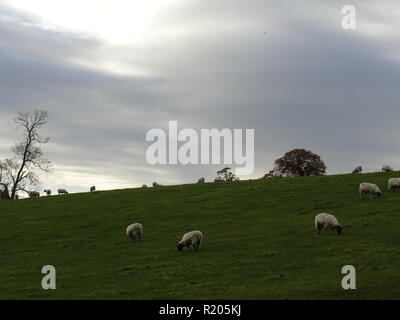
(4, 195)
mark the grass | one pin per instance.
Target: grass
(259, 242)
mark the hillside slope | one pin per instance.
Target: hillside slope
(259, 242)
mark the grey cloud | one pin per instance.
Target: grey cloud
(305, 82)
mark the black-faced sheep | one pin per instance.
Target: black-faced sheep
(369, 188)
(92, 189)
(47, 191)
(386, 168)
(62, 191)
(269, 175)
(33, 194)
(201, 180)
(192, 238)
(277, 174)
(357, 169)
(393, 184)
(156, 184)
(327, 221)
(134, 231)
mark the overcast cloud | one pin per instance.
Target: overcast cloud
(108, 73)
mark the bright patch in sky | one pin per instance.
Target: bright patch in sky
(119, 22)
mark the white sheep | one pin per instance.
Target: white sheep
(219, 180)
(47, 191)
(269, 175)
(33, 194)
(192, 238)
(277, 174)
(62, 191)
(357, 169)
(156, 184)
(369, 188)
(144, 186)
(201, 180)
(92, 188)
(134, 231)
(393, 184)
(327, 221)
(386, 168)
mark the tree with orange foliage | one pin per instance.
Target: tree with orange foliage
(300, 162)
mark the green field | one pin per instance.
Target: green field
(259, 242)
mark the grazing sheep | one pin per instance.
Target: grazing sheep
(277, 174)
(201, 180)
(393, 184)
(144, 185)
(357, 169)
(92, 188)
(272, 174)
(327, 221)
(47, 191)
(134, 231)
(369, 188)
(236, 179)
(386, 168)
(268, 175)
(62, 191)
(219, 180)
(33, 194)
(155, 184)
(192, 238)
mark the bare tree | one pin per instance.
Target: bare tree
(18, 174)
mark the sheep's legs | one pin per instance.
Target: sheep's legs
(196, 245)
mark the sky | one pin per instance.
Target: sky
(108, 72)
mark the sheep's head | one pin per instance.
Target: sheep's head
(180, 246)
(378, 193)
(339, 229)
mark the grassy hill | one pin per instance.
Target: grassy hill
(259, 242)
